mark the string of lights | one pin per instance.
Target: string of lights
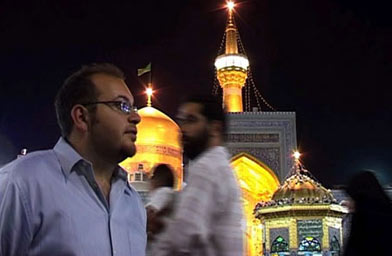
(215, 88)
(247, 99)
(257, 94)
(256, 91)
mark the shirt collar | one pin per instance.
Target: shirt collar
(120, 173)
(69, 157)
(66, 155)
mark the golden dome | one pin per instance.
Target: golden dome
(299, 192)
(156, 127)
(300, 188)
(157, 142)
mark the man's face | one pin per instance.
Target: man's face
(194, 129)
(112, 132)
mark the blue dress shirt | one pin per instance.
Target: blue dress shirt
(50, 204)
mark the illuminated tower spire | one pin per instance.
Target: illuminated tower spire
(149, 93)
(231, 32)
(232, 67)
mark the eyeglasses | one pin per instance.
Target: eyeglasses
(123, 106)
(186, 120)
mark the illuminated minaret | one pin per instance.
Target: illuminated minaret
(232, 67)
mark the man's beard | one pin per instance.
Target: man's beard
(102, 146)
(193, 146)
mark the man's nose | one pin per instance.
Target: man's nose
(134, 118)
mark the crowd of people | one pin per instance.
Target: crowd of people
(74, 199)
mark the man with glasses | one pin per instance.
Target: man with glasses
(75, 199)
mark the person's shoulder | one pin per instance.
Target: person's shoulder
(209, 164)
(216, 158)
(29, 166)
(164, 190)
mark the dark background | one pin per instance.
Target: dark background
(329, 61)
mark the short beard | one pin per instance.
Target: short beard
(196, 145)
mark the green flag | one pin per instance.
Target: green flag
(141, 71)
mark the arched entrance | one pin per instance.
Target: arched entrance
(258, 183)
(309, 246)
(279, 247)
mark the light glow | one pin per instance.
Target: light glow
(231, 60)
(230, 5)
(149, 91)
(297, 155)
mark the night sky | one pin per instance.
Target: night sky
(329, 61)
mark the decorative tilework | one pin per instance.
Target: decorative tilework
(269, 156)
(253, 138)
(273, 129)
(310, 227)
(159, 149)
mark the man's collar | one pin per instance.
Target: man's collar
(120, 173)
(66, 155)
(69, 157)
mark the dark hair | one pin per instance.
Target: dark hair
(79, 88)
(212, 108)
(163, 174)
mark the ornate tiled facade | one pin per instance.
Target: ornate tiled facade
(268, 136)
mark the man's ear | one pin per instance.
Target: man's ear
(80, 117)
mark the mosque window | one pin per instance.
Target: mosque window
(279, 245)
(334, 246)
(309, 244)
(145, 177)
(138, 176)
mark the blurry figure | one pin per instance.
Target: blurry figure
(346, 221)
(161, 202)
(371, 222)
(208, 215)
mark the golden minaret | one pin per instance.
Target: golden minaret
(232, 67)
